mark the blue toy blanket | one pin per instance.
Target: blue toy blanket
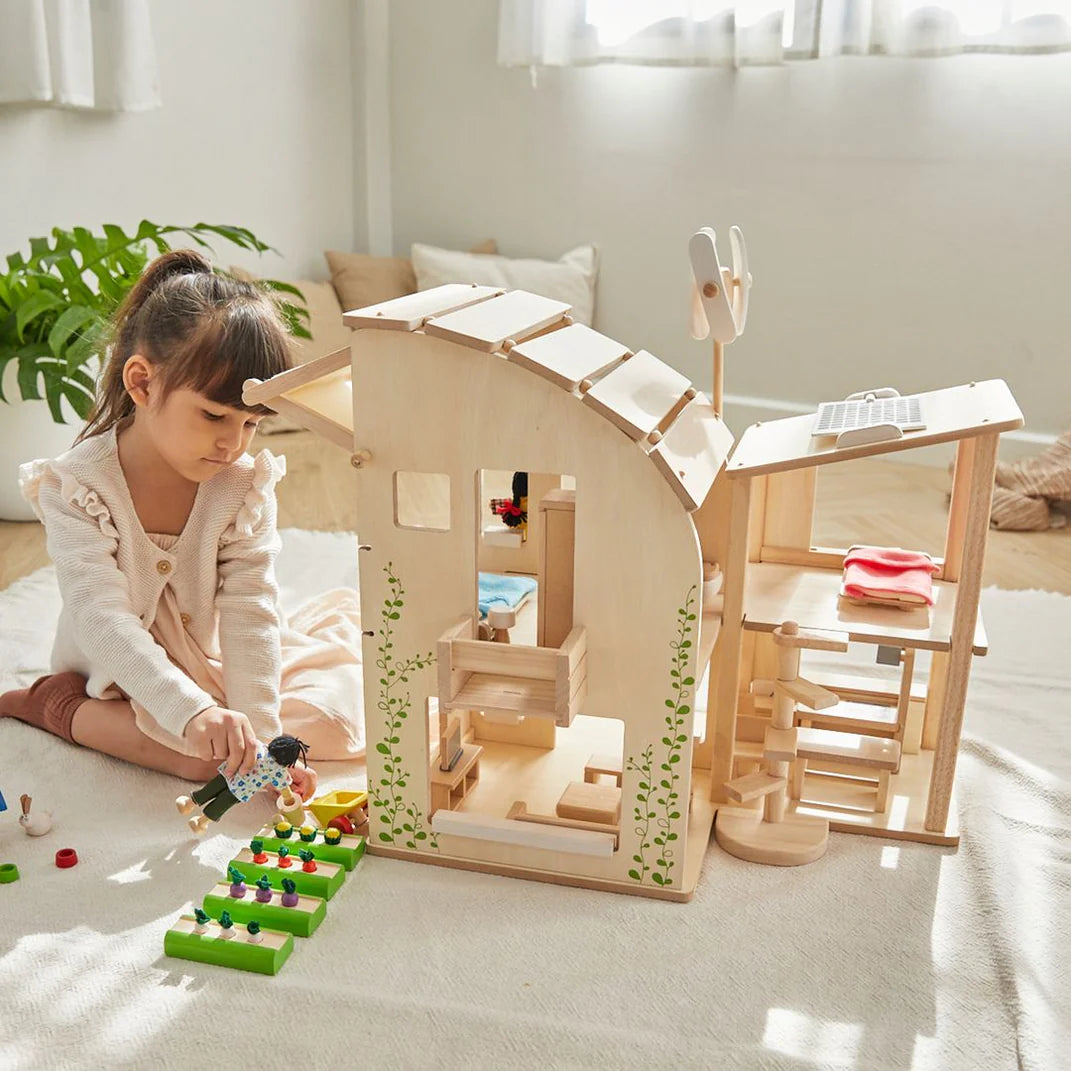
(508, 591)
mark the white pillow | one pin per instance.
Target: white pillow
(571, 279)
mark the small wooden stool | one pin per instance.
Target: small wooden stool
(602, 764)
(590, 803)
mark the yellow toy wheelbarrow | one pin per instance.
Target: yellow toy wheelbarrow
(336, 804)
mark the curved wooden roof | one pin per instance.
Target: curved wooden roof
(647, 400)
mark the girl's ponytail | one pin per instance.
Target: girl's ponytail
(112, 403)
(176, 262)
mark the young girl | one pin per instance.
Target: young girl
(171, 650)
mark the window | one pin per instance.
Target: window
(422, 501)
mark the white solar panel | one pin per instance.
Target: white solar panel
(835, 417)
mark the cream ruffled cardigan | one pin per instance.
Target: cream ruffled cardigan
(111, 576)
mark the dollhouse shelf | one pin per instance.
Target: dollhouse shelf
(774, 593)
(950, 414)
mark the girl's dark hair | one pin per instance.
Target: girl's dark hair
(203, 331)
(286, 750)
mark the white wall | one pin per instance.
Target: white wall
(908, 221)
(257, 129)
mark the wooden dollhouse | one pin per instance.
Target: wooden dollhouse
(562, 735)
(575, 737)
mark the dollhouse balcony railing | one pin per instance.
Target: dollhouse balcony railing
(548, 682)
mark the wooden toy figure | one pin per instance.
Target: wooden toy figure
(222, 793)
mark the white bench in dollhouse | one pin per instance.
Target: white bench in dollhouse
(885, 759)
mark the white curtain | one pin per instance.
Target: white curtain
(78, 54)
(561, 33)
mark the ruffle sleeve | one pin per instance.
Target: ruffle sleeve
(268, 470)
(34, 473)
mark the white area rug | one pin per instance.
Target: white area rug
(878, 956)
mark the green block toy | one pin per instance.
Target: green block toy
(324, 882)
(346, 853)
(301, 920)
(266, 957)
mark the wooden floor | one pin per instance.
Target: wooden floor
(865, 501)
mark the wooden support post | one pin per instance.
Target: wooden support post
(729, 639)
(903, 702)
(964, 620)
(784, 708)
(957, 510)
(719, 378)
(935, 699)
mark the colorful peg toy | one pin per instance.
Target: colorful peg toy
(284, 857)
(308, 861)
(256, 846)
(290, 896)
(264, 890)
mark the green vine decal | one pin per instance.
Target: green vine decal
(658, 801)
(403, 819)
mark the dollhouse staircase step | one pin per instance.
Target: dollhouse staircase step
(753, 785)
(780, 745)
(846, 716)
(858, 750)
(854, 717)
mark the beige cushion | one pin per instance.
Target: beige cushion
(361, 280)
(571, 278)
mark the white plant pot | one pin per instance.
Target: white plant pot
(27, 431)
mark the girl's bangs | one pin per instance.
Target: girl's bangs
(219, 360)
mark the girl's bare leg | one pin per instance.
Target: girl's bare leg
(108, 725)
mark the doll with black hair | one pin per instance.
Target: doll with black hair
(222, 792)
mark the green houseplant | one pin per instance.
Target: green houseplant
(55, 304)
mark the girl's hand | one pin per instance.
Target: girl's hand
(303, 780)
(218, 733)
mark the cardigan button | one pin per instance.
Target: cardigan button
(163, 567)
(185, 619)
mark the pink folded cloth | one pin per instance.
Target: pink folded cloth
(888, 575)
